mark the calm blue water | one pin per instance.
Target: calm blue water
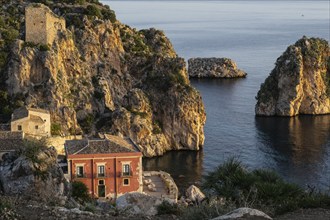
(254, 34)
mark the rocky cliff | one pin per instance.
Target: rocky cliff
(300, 81)
(214, 68)
(102, 75)
(33, 172)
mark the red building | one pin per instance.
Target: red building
(109, 167)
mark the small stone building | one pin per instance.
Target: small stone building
(109, 167)
(32, 121)
(41, 24)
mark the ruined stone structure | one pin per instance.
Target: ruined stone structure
(41, 24)
(10, 141)
(34, 122)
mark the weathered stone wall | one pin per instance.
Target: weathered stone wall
(29, 126)
(41, 24)
(46, 118)
(58, 142)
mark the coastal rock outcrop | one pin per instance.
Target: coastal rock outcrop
(34, 174)
(102, 75)
(244, 213)
(139, 203)
(194, 194)
(214, 68)
(299, 83)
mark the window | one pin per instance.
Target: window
(19, 127)
(101, 182)
(36, 127)
(101, 171)
(80, 171)
(126, 170)
(126, 182)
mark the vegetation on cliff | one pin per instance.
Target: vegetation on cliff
(299, 83)
(102, 75)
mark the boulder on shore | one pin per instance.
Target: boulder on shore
(299, 83)
(136, 203)
(194, 194)
(244, 213)
(213, 68)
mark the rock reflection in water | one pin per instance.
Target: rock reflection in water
(299, 146)
(185, 167)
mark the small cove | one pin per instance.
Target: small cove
(254, 34)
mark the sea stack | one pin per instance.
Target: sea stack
(213, 68)
(299, 83)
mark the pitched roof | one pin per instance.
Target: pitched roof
(23, 112)
(10, 141)
(99, 146)
(38, 110)
(19, 113)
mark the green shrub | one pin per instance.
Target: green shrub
(209, 210)
(80, 2)
(10, 34)
(80, 192)
(29, 44)
(31, 148)
(109, 15)
(168, 208)
(44, 47)
(157, 127)
(261, 189)
(56, 129)
(92, 10)
(87, 123)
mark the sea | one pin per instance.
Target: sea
(254, 34)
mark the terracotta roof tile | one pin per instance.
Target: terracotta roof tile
(100, 146)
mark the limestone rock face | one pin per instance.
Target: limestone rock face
(244, 213)
(101, 75)
(214, 68)
(194, 194)
(139, 203)
(41, 178)
(299, 83)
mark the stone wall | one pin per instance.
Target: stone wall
(173, 191)
(58, 142)
(41, 24)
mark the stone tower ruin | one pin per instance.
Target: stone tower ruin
(41, 24)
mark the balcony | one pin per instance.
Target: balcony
(80, 176)
(127, 174)
(101, 175)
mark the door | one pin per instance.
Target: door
(101, 189)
